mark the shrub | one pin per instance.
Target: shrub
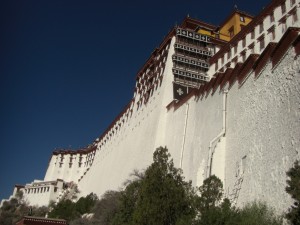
(293, 188)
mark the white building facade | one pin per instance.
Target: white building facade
(238, 118)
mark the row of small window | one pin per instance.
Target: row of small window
(146, 92)
(261, 39)
(148, 77)
(150, 71)
(193, 49)
(283, 11)
(126, 115)
(189, 61)
(71, 160)
(90, 155)
(192, 35)
(39, 190)
(188, 82)
(192, 43)
(190, 68)
(283, 6)
(188, 74)
(162, 59)
(243, 55)
(272, 19)
(79, 164)
(261, 42)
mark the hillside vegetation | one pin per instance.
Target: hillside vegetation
(161, 196)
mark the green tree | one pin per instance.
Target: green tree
(39, 211)
(65, 209)
(9, 212)
(164, 197)
(293, 188)
(68, 210)
(85, 204)
(211, 209)
(14, 209)
(256, 213)
(211, 193)
(127, 205)
(105, 209)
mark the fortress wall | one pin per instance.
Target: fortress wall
(121, 154)
(262, 135)
(190, 129)
(73, 166)
(41, 193)
(133, 145)
(262, 127)
(50, 168)
(40, 199)
(262, 120)
(262, 138)
(62, 167)
(257, 134)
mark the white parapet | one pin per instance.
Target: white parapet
(41, 193)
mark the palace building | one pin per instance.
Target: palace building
(224, 99)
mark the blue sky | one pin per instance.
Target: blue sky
(67, 68)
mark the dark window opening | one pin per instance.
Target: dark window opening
(283, 8)
(231, 32)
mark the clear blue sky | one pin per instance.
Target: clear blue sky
(68, 67)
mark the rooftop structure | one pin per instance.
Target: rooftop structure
(31, 220)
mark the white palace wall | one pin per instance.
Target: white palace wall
(69, 166)
(262, 134)
(191, 127)
(245, 133)
(262, 139)
(260, 144)
(132, 146)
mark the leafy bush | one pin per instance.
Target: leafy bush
(257, 213)
(159, 196)
(210, 208)
(293, 188)
(14, 209)
(164, 196)
(68, 210)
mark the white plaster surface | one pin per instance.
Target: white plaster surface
(261, 141)
(132, 146)
(40, 193)
(264, 125)
(260, 145)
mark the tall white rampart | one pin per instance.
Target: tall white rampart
(131, 147)
(70, 165)
(263, 132)
(41, 193)
(243, 125)
(260, 143)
